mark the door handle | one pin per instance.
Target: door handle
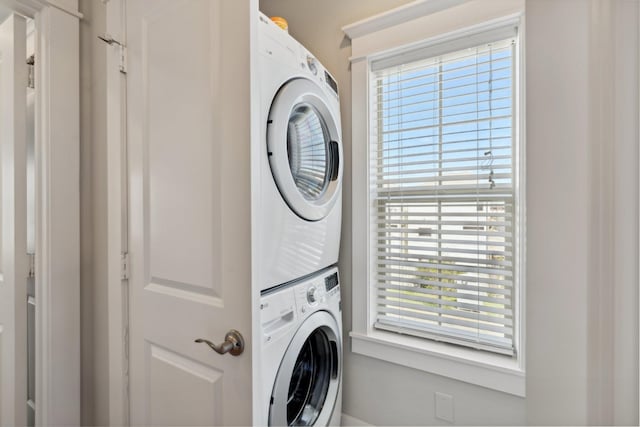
(334, 165)
(233, 343)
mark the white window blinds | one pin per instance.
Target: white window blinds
(443, 244)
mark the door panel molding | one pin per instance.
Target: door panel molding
(187, 221)
(183, 374)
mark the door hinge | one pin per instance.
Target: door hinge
(31, 76)
(123, 59)
(124, 266)
(32, 265)
(122, 49)
(126, 346)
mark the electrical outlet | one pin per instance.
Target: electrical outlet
(444, 407)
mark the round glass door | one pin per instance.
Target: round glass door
(308, 380)
(304, 148)
(308, 151)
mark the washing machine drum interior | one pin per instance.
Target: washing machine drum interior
(308, 380)
(303, 142)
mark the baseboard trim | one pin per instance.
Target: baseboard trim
(348, 420)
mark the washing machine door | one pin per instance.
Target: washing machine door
(304, 146)
(308, 381)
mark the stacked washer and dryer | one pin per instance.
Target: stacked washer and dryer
(301, 199)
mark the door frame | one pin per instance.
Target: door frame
(117, 218)
(57, 263)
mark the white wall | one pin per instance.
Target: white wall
(569, 217)
(625, 207)
(558, 202)
(560, 218)
(582, 129)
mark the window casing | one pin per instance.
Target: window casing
(443, 243)
(408, 34)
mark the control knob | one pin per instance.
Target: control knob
(311, 63)
(312, 297)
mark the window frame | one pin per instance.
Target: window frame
(494, 371)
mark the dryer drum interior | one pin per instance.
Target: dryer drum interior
(308, 151)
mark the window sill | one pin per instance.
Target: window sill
(481, 368)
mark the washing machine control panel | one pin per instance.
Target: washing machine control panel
(321, 291)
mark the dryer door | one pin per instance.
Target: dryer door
(305, 149)
(308, 381)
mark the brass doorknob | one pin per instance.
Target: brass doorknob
(233, 343)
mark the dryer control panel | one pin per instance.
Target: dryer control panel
(277, 43)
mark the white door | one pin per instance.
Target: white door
(188, 109)
(13, 229)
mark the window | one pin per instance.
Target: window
(443, 245)
(438, 192)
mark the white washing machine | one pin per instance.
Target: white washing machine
(300, 194)
(301, 360)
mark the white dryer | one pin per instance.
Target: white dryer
(300, 161)
(301, 356)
